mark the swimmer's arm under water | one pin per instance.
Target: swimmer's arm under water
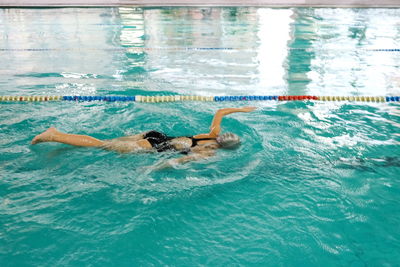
(188, 158)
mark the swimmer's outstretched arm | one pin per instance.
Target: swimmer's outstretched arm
(53, 135)
(215, 128)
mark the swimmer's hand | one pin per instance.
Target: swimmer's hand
(172, 163)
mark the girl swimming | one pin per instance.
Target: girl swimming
(194, 147)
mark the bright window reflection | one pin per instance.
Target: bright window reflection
(273, 34)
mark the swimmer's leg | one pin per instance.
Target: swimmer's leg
(141, 145)
(53, 135)
(135, 137)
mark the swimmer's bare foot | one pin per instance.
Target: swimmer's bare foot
(46, 136)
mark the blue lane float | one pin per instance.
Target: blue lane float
(244, 98)
(99, 98)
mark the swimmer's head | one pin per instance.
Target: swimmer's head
(228, 140)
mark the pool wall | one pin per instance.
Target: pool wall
(271, 3)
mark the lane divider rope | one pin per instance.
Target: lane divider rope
(176, 98)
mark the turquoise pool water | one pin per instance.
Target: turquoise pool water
(314, 183)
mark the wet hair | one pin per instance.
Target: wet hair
(228, 140)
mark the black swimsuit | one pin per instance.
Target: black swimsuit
(196, 140)
(160, 141)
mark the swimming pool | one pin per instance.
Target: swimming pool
(313, 183)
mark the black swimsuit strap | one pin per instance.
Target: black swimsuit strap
(196, 140)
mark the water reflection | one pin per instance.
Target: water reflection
(272, 52)
(206, 71)
(49, 52)
(299, 67)
(267, 51)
